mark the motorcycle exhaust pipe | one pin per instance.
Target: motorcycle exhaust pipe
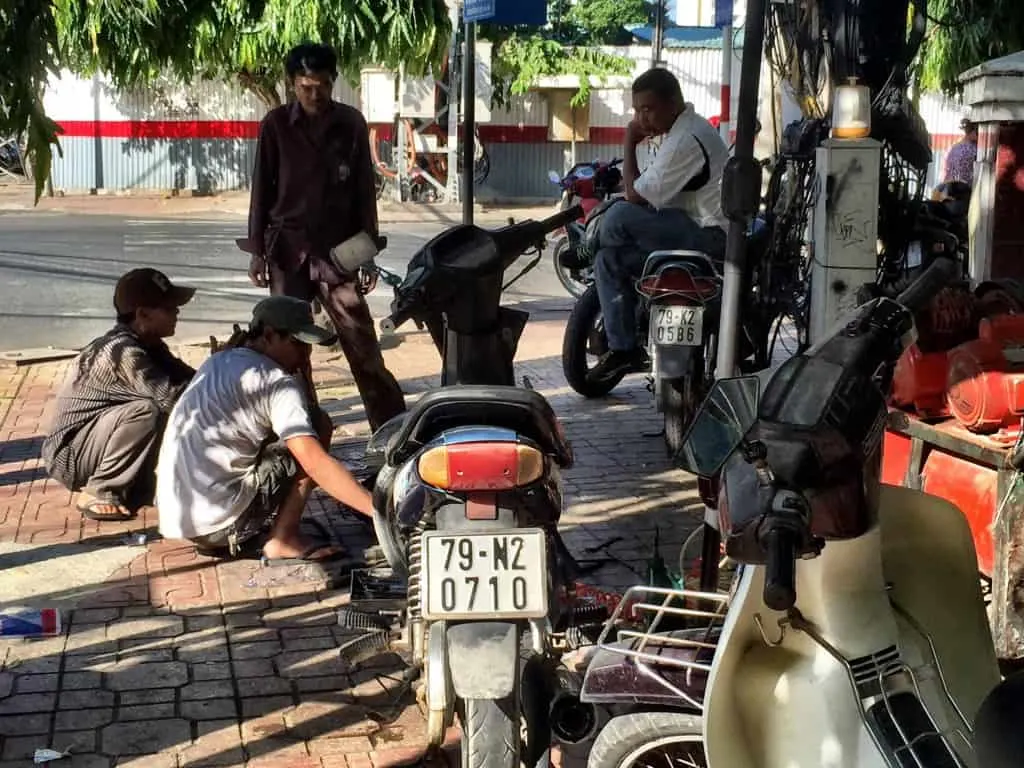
(574, 724)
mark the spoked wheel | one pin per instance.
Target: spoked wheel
(650, 740)
(573, 280)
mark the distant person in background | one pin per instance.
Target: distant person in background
(961, 156)
(312, 189)
(112, 411)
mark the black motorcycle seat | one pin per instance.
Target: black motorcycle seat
(998, 737)
(697, 261)
(523, 411)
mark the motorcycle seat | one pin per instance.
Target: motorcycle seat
(998, 738)
(699, 263)
(520, 410)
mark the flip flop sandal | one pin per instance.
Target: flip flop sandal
(91, 511)
(306, 558)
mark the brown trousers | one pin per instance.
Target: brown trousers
(350, 315)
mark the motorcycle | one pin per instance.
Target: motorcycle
(587, 185)
(677, 324)
(831, 648)
(467, 500)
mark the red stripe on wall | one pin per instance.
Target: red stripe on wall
(490, 133)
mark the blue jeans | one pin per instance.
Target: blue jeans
(628, 234)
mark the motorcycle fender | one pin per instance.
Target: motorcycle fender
(439, 696)
(672, 361)
(488, 658)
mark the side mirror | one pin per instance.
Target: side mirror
(721, 424)
(554, 177)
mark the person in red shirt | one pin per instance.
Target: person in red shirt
(313, 188)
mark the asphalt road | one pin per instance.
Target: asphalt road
(57, 274)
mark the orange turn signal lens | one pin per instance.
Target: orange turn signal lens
(489, 466)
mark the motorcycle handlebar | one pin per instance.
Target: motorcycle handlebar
(780, 568)
(936, 277)
(561, 218)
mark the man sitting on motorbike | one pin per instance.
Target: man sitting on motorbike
(674, 204)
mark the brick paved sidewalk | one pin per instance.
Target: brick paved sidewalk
(179, 660)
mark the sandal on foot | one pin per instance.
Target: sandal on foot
(105, 511)
(329, 554)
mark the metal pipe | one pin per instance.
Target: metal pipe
(736, 243)
(468, 122)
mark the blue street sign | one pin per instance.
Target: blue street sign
(723, 13)
(510, 12)
(478, 10)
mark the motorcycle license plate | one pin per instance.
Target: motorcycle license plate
(493, 575)
(677, 326)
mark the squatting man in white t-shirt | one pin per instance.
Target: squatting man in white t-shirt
(674, 204)
(245, 444)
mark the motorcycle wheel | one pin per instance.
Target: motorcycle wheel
(584, 332)
(491, 732)
(680, 399)
(566, 276)
(650, 740)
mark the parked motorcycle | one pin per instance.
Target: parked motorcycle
(834, 650)
(677, 324)
(586, 185)
(467, 501)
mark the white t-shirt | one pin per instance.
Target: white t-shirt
(206, 471)
(681, 159)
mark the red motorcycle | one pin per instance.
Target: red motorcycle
(587, 185)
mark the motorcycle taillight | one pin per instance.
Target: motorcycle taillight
(679, 281)
(483, 466)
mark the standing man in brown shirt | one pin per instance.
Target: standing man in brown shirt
(312, 189)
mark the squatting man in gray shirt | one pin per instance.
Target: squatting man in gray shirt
(246, 444)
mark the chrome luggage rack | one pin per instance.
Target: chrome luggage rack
(660, 652)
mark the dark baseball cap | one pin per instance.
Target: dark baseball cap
(149, 289)
(291, 316)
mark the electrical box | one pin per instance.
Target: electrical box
(845, 229)
(566, 122)
(377, 95)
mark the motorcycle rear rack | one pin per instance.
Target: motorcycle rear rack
(657, 650)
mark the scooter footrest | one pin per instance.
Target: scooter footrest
(365, 647)
(350, 618)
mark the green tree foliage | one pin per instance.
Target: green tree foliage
(566, 46)
(135, 41)
(965, 33)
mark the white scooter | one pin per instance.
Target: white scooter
(856, 635)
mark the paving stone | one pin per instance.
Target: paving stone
(199, 622)
(27, 703)
(262, 650)
(325, 747)
(24, 747)
(243, 618)
(94, 615)
(167, 674)
(85, 699)
(169, 760)
(208, 689)
(145, 737)
(20, 725)
(126, 713)
(330, 683)
(253, 668)
(219, 743)
(148, 627)
(208, 709)
(102, 662)
(89, 638)
(265, 726)
(310, 663)
(7, 684)
(210, 670)
(75, 719)
(155, 696)
(252, 635)
(329, 719)
(249, 687)
(266, 705)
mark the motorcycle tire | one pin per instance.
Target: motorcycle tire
(573, 286)
(679, 401)
(627, 738)
(585, 322)
(491, 732)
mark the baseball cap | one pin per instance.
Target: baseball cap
(148, 289)
(291, 316)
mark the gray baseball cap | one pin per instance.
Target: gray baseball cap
(291, 316)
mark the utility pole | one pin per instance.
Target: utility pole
(659, 33)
